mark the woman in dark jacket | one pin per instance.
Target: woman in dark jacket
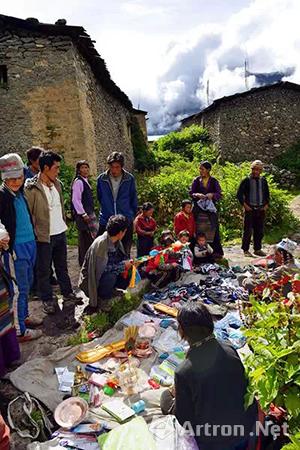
(206, 192)
(83, 209)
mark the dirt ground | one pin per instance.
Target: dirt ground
(56, 335)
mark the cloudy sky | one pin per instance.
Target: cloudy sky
(163, 52)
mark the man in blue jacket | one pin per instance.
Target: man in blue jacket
(116, 192)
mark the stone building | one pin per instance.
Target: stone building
(56, 92)
(259, 123)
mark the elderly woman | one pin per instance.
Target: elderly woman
(206, 192)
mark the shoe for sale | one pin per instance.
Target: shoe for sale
(259, 253)
(49, 307)
(72, 299)
(33, 322)
(248, 254)
(30, 335)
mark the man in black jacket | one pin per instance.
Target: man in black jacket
(253, 194)
(210, 386)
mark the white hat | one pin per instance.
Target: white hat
(258, 163)
(11, 166)
(287, 245)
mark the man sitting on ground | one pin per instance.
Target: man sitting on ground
(104, 263)
(210, 386)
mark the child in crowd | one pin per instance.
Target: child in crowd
(145, 227)
(184, 237)
(202, 250)
(187, 254)
(16, 218)
(184, 220)
(165, 266)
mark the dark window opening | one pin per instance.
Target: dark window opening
(3, 76)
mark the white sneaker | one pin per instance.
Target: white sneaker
(30, 335)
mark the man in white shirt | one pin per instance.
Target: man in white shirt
(46, 205)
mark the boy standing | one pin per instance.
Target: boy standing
(15, 216)
(45, 200)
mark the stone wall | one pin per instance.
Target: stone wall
(141, 119)
(261, 124)
(111, 120)
(53, 100)
(41, 103)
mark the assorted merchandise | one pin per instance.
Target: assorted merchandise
(110, 377)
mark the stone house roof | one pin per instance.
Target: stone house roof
(83, 43)
(219, 101)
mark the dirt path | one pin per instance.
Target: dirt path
(295, 206)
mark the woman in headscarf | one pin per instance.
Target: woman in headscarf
(206, 192)
(285, 265)
(83, 209)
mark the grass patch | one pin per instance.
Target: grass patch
(96, 324)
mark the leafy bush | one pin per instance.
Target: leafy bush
(98, 323)
(167, 188)
(191, 143)
(273, 365)
(143, 156)
(290, 160)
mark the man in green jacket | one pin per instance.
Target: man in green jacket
(104, 263)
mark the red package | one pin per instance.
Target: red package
(153, 384)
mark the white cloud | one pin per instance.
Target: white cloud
(140, 9)
(266, 33)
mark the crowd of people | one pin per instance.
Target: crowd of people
(34, 244)
(33, 247)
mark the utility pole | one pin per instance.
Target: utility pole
(207, 92)
(246, 75)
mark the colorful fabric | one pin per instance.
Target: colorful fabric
(183, 221)
(6, 311)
